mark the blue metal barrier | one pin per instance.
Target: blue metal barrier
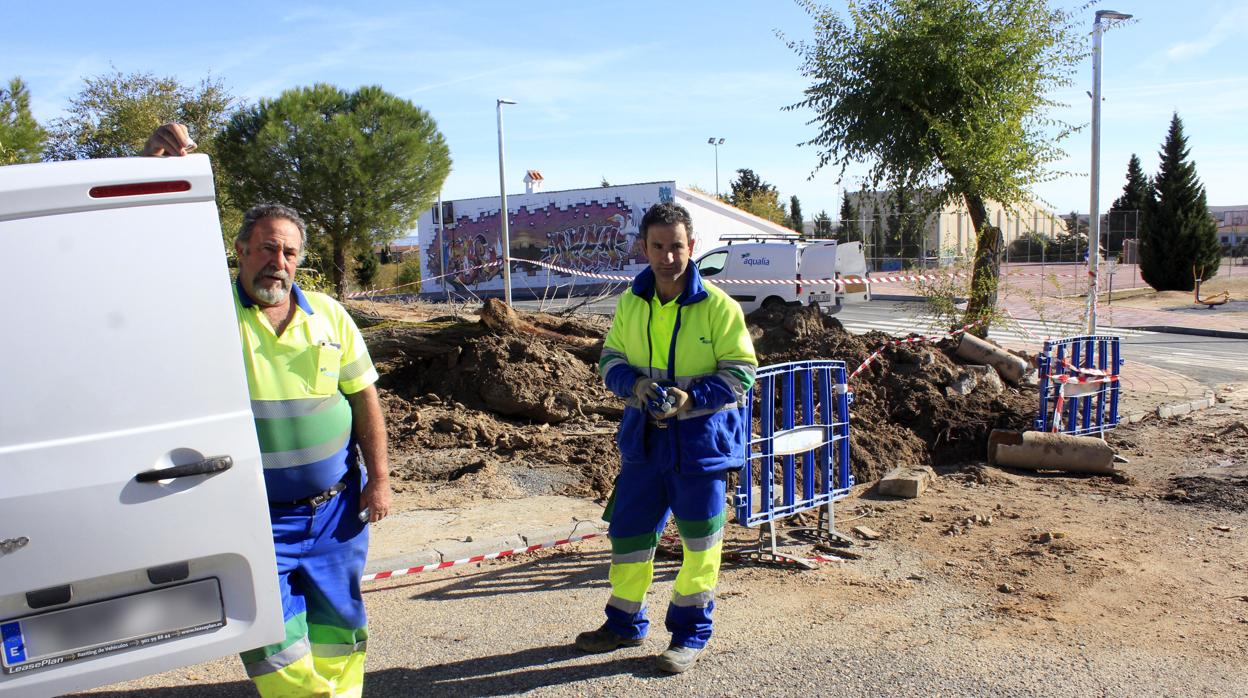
(809, 445)
(1079, 384)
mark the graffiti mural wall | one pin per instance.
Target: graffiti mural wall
(588, 230)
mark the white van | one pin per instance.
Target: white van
(785, 272)
(134, 528)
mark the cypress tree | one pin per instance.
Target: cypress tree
(877, 230)
(795, 213)
(823, 225)
(1180, 234)
(1127, 214)
(850, 228)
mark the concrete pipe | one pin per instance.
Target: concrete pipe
(1038, 450)
(1011, 367)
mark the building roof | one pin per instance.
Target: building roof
(533, 176)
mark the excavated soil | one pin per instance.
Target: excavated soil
(506, 404)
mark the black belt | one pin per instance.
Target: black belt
(315, 500)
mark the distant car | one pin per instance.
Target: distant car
(800, 263)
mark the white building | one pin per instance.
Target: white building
(586, 231)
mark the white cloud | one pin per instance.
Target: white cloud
(1223, 25)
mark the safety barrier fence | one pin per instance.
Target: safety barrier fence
(799, 460)
(1079, 384)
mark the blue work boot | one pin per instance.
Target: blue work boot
(605, 639)
(677, 658)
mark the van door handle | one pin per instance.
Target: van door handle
(207, 466)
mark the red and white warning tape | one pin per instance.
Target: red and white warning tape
(910, 340)
(1089, 376)
(377, 291)
(839, 282)
(475, 558)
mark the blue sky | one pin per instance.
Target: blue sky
(629, 91)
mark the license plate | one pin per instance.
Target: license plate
(820, 297)
(103, 627)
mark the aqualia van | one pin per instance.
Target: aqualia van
(786, 271)
(134, 530)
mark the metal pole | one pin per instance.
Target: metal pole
(1094, 219)
(1094, 233)
(715, 143)
(441, 248)
(502, 195)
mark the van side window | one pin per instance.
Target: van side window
(713, 263)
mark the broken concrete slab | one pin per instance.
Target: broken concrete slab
(868, 533)
(988, 378)
(908, 482)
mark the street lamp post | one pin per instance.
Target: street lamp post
(1094, 220)
(502, 195)
(716, 142)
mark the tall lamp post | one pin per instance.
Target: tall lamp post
(716, 142)
(1094, 218)
(502, 195)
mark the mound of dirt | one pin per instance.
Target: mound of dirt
(916, 404)
(521, 391)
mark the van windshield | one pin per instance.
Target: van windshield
(713, 263)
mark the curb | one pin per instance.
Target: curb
(458, 550)
(1198, 331)
(1172, 410)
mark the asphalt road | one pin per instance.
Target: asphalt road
(1208, 360)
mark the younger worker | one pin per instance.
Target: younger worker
(673, 337)
(312, 395)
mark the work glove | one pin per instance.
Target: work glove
(647, 389)
(677, 401)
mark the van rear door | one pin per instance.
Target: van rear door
(819, 262)
(134, 534)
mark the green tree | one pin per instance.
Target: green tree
(766, 204)
(851, 228)
(877, 229)
(358, 166)
(795, 214)
(751, 193)
(955, 92)
(746, 186)
(605, 183)
(1179, 235)
(113, 115)
(21, 137)
(366, 268)
(823, 225)
(1126, 217)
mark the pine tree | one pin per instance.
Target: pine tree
(823, 225)
(21, 137)
(1126, 216)
(795, 214)
(1180, 235)
(877, 230)
(851, 231)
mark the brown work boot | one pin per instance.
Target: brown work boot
(604, 639)
(677, 659)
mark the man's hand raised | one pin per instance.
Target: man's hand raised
(169, 139)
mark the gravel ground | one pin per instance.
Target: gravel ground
(994, 583)
(883, 625)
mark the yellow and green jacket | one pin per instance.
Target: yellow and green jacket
(698, 341)
(298, 384)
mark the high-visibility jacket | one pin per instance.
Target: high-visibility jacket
(298, 383)
(699, 342)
